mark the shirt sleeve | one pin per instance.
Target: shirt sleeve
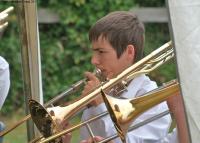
(4, 80)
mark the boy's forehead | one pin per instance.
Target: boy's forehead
(101, 43)
(101, 40)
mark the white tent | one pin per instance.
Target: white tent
(185, 30)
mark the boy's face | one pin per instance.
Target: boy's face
(105, 58)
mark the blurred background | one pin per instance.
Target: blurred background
(65, 49)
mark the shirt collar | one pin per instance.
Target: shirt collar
(134, 86)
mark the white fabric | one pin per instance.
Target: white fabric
(149, 133)
(170, 138)
(185, 29)
(4, 80)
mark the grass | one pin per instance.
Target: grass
(19, 134)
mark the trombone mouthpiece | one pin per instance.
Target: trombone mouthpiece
(99, 75)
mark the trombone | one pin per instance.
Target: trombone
(151, 119)
(47, 126)
(72, 89)
(124, 111)
(135, 107)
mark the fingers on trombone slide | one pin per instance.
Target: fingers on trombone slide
(3, 22)
(67, 137)
(4, 17)
(7, 11)
(3, 26)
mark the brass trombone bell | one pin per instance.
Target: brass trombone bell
(42, 119)
(124, 111)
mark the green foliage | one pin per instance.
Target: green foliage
(150, 3)
(65, 49)
(10, 50)
(156, 35)
(159, 37)
(66, 54)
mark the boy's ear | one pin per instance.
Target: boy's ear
(130, 52)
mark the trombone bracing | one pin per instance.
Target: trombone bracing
(144, 66)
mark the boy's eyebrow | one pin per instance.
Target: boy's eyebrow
(96, 49)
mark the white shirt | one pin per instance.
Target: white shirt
(149, 133)
(4, 80)
(170, 138)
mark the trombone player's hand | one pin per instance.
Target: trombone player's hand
(67, 137)
(56, 114)
(92, 83)
(3, 19)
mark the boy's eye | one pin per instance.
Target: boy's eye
(101, 52)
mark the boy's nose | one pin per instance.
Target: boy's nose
(95, 60)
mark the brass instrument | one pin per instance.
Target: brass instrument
(48, 126)
(73, 88)
(124, 111)
(140, 124)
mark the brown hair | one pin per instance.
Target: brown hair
(121, 29)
